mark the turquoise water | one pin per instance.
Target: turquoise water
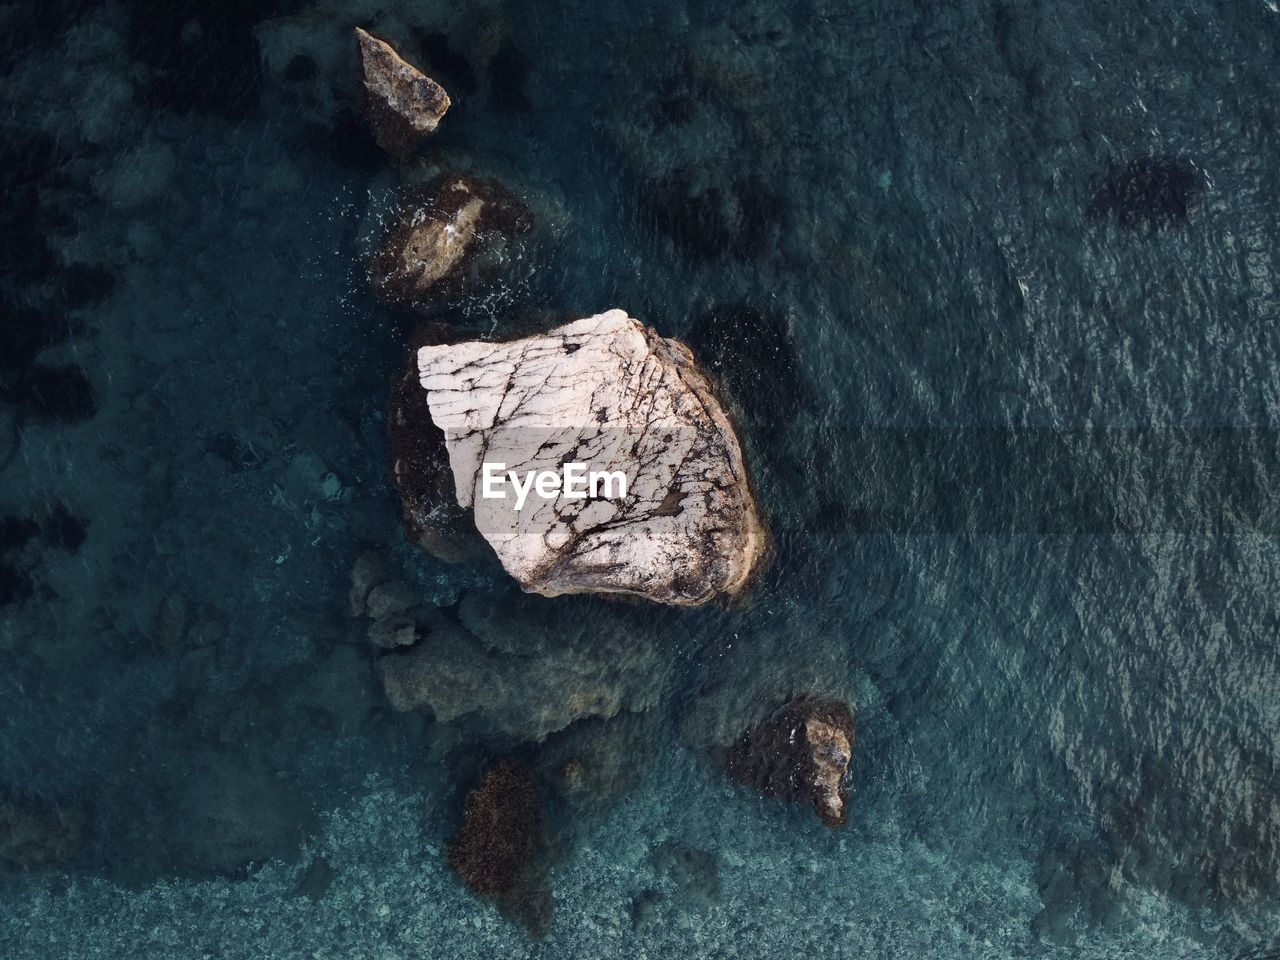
(993, 291)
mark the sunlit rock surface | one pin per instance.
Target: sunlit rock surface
(404, 104)
(610, 393)
(446, 236)
(801, 754)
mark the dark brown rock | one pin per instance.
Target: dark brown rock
(800, 754)
(447, 235)
(499, 850)
(403, 103)
(421, 472)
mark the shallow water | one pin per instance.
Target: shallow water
(1012, 424)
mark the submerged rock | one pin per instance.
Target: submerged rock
(800, 754)
(8, 434)
(404, 104)
(694, 873)
(447, 234)
(1154, 192)
(610, 394)
(32, 836)
(522, 667)
(420, 470)
(498, 850)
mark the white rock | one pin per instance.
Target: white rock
(612, 394)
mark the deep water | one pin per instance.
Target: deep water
(993, 289)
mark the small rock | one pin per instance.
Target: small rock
(447, 235)
(800, 754)
(404, 104)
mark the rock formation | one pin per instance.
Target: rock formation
(800, 754)
(445, 235)
(611, 394)
(404, 104)
(497, 851)
(520, 666)
(420, 470)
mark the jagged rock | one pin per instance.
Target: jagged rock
(612, 394)
(420, 470)
(446, 236)
(35, 837)
(497, 851)
(801, 754)
(404, 104)
(525, 667)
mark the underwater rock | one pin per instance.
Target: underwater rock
(420, 470)
(644, 908)
(800, 754)
(508, 77)
(55, 393)
(371, 568)
(228, 811)
(8, 434)
(523, 667)
(596, 762)
(607, 392)
(404, 104)
(693, 872)
(1152, 192)
(36, 837)
(710, 219)
(316, 880)
(498, 850)
(447, 234)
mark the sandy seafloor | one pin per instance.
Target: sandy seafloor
(1019, 456)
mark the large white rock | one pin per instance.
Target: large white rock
(610, 393)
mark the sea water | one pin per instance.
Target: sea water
(992, 287)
